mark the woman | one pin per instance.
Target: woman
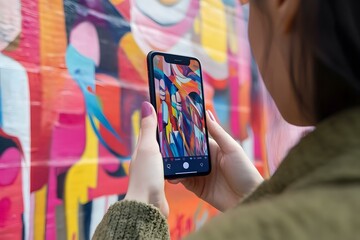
(308, 54)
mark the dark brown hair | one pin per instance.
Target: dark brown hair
(325, 64)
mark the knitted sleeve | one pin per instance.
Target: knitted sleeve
(132, 220)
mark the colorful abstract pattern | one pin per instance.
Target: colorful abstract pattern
(180, 107)
(72, 80)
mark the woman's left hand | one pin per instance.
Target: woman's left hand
(146, 182)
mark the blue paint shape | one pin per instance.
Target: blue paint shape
(87, 209)
(82, 70)
(230, 3)
(221, 105)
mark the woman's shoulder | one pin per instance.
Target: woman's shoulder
(329, 156)
(313, 212)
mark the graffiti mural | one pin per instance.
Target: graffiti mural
(72, 80)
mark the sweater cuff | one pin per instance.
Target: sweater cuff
(132, 220)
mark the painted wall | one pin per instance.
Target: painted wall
(72, 80)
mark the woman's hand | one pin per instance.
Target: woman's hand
(146, 182)
(232, 176)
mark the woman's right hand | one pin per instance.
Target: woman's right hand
(232, 176)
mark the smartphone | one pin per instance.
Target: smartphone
(177, 94)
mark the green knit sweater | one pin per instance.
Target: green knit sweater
(314, 194)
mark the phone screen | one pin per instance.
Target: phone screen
(182, 132)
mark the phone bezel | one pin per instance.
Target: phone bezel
(183, 60)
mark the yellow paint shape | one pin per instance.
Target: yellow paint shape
(168, 129)
(134, 54)
(81, 177)
(135, 120)
(116, 2)
(40, 213)
(126, 166)
(213, 29)
(197, 26)
(232, 30)
(169, 2)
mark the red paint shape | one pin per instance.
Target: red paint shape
(109, 93)
(128, 72)
(71, 99)
(10, 162)
(39, 171)
(218, 84)
(260, 167)
(106, 184)
(124, 9)
(5, 206)
(67, 142)
(90, 90)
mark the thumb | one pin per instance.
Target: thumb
(221, 137)
(148, 128)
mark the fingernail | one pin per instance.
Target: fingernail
(211, 115)
(146, 109)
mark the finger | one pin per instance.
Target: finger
(176, 181)
(214, 147)
(136, 147)
(222, 138)
(147, 140)
(188, 183)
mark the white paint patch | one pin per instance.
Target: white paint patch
(15, 107)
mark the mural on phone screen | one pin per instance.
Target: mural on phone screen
(182, 132)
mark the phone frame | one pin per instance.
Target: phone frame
(182, 60)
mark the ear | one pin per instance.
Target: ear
(287, 11)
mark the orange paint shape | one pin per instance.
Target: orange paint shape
(52, 71)
(187, 212)
(134, 55)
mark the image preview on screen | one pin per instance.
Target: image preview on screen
(179, 102)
